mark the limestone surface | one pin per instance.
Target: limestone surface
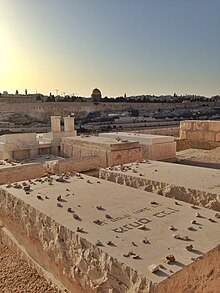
(92, 249)
(195, 185)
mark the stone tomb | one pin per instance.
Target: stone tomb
(195, 185)
(155, 147)
(110, 151)
(35, 167)
(97, 236)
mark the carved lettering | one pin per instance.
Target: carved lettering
(144, 221)
(119, 230)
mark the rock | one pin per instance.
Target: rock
(59, 205)
(172, 228)
(61, 179)
(177, 236)
(136, 256)
(69, 210)
(17, 186)
(154, 202)
(145, 241)
(168, 259)
(78, 229)
(217, 215)
(153, 268)
(46, 197)
(126, 255)
(108, 216)
(142, 227)
(100, 208)
(197, 215)
(191, 228)
(194, 222)
(189, 247)
(98, 222)
(40, 197)
(76, 217)
(27, 188)
(59, 198)
(212, 220)
(110, 243)
(98, 243)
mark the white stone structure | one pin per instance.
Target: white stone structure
(110, 151)
(155, 147)
(24, 145)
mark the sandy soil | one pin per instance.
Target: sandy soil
(198, 157)
(17, 276)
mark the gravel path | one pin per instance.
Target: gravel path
(17, 276)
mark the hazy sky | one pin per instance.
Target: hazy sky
(120, 46)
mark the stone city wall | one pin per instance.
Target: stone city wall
(43, 110)
(200, 130)
(35, 170)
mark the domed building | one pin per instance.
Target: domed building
(96, 95)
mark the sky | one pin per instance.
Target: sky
(119, 46)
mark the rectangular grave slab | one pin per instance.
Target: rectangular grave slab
(155, 147)
(195, 185)
(110, 151)
(111, 235)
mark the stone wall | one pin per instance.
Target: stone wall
(43, 110)
(200, 130)
(36, 170)
(167, 131)
(110, 154)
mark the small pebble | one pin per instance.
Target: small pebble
(154, 268)
(40, 197)
(189, 247)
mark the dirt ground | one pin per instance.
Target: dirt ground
(202, 158)
(17, 276)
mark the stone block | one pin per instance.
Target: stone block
(182, 134)
(200, 125)
(18, 138)
(163, 151)
(186, 125)
(217, 137)
(110, 151)
(140, 137)
(209, 135)
(194, 135)
(214, 126)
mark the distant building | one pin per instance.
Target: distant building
(96, 95)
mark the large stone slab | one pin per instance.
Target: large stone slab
(42, 165)
(140, 137)
(111, 151)
(195, 185)
(155, 147)
(122, 231)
